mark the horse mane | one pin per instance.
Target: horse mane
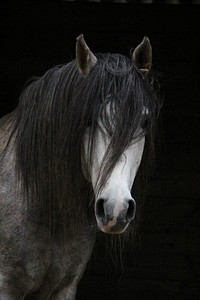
(52, 116)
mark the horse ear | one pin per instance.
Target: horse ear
(142, 56)
(86, 60)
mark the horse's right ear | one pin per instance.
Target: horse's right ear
(86, 60)
(142, 56)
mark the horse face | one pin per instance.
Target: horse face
(114, 205)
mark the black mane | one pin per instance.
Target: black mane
(52, 116)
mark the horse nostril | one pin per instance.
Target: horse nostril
(104, 211)
(131, 210)
(100, 212)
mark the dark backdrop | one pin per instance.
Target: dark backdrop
(164, 262)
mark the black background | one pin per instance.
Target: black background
(164, 262)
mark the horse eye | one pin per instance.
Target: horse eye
(89, 123)
(144, 124)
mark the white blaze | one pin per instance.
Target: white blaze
(119, 184)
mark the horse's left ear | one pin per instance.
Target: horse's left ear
(142, 56)
(86, 60)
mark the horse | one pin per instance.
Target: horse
(70, 153)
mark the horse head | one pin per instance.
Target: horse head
(114, 205)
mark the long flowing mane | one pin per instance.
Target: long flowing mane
(52, 116)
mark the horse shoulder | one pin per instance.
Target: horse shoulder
(6, 125)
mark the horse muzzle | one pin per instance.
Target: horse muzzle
(114, 216)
